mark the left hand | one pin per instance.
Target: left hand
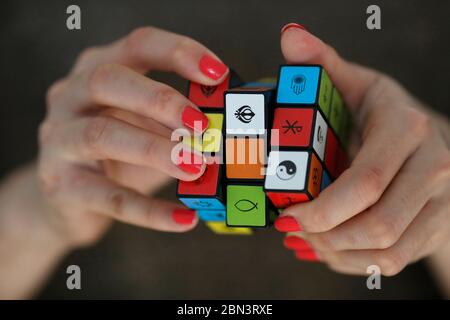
(391, 207)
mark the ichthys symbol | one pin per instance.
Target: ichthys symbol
(245, 205)
(244, 114)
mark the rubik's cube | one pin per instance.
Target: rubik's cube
(271, 145)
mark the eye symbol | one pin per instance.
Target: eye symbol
(286, 170)
(208, 90)
(245, 205)
(244, 114)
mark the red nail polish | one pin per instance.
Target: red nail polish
(190, 162)
(292, 25)
(306, 255)
(183, 216)
(296, 243)
(194, 119)
(287, 224)
(211, 67)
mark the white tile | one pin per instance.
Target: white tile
(287, 170)
(320, 135)
(245, 113)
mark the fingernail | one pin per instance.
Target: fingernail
(292, 25)
(194, 119)
(211, 67)
(190, 162)
(296, 243)
(183, 216)
(306, 255)
(287, 224)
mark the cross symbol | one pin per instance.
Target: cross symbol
(292, 127)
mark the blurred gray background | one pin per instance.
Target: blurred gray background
(129, 262)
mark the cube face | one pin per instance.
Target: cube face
(287, 170)
(245, 158)
(320, 135)
(286, 199)
(208, 96)
(221, 228)
(206, 185)
(315, 176)
(211, 140)
(202, 203)
(298, 84)
(326, 181)
(211, 215)
(245, 113)
(325, 93)
(246, 206)
(331, 153)
(336, 112)
(294, 127)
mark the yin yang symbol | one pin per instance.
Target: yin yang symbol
(286, 170)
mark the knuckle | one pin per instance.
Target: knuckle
(116, 201)
(370, 185)
(183, 47)
(149, 148)
(95, 132)
(390, 263)
(162, 100)
(419, 123)
(319, 221)
(54, 92)
(135, 40)
(383, 233)
(99, 76)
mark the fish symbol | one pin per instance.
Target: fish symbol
(208, 90)
(245, 205)
(244, 114)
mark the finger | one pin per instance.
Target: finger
(120, 87)
(381, 225)
(352, 81)
(382, 154)
(107, 138)
(93, 192)
(422, 236)
(149, 48)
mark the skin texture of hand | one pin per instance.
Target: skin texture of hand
(391, 206)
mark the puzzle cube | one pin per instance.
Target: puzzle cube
(211, 140)
(292, 177)
(245, 158)
(221, 228)
(247, 206)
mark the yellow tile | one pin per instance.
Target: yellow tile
(212, 137)
(220, 227)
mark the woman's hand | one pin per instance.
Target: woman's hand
(391, 207)
(105, 141)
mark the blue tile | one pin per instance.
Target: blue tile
(325, 181)
(211, 215)
(298, 84)
(203, 203)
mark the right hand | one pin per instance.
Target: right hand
(105, 141)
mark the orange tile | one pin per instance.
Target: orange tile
(245, 158)
(315, 176)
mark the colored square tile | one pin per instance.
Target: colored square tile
(294, 127)
(286, 170)
(286, 199)
(320, 135)
(245, 113)
(315, 176)
(245, 158)
(326, 181)
(206, 185)
(298, 84)
(336, 112)
(211, 215)
(208, 96)
(325, 93)
(222, 228)
(331, 153)
(202, 203)
(246, 206)
(211, 139)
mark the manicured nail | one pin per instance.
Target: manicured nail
(183, 216)
(194, 119)
(296, 243)
(287, 224)
(306, 255)
(190, 162)
(292, 25)
(211, 67)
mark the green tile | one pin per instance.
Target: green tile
(246, 206)
(337, 109)
(325, 91)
